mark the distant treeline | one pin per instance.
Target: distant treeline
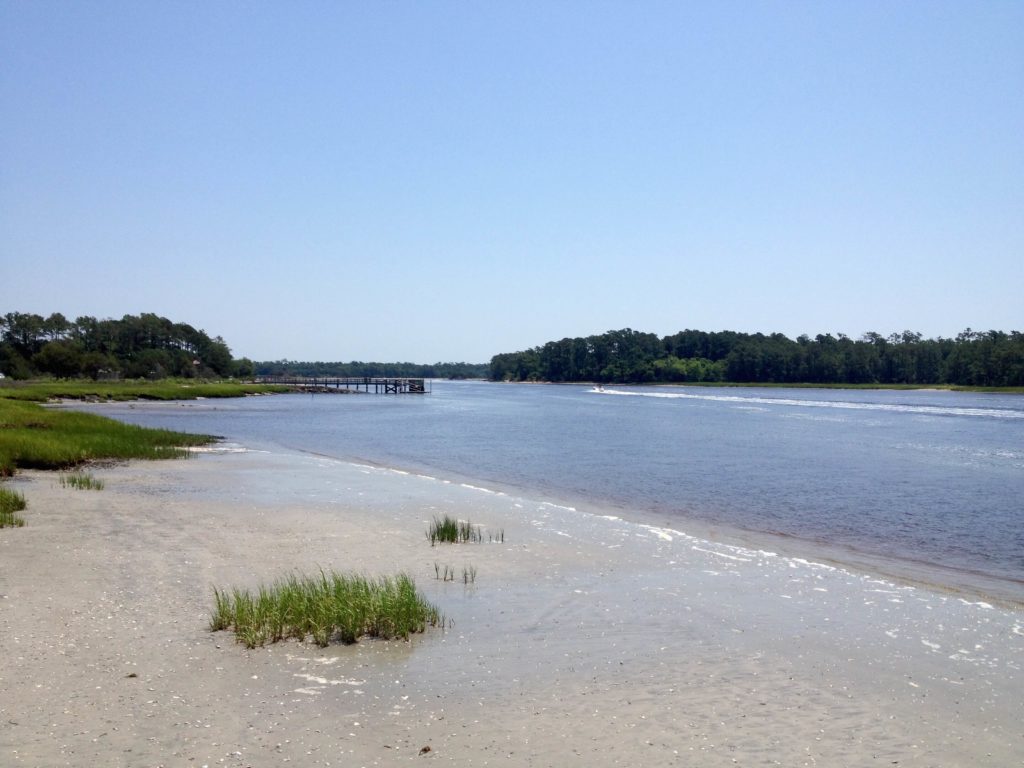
(355, 368)
(143, 346)
(989, 359)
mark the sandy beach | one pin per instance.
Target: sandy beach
(586, 638)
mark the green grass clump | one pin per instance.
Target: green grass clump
(449, 530)
(33, 437)
(82, 481)
(329, 607)
(11, 502)
(161, 389)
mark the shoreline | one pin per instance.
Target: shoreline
(957, 582)
(954, 580)
(584, 637)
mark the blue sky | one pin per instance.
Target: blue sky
(435, 181)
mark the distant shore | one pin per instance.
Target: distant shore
(584, 637)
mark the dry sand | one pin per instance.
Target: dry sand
(586, 639)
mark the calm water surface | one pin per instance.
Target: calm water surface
(928, 477)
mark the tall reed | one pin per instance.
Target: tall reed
(448, 573)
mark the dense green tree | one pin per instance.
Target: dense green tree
(672, 369)
(12, 363)
(992, 358)
(244, 369)
(56, 327)
(146, 345)
(59, 358)
(24, 331)
(97, 365)
(216, 355)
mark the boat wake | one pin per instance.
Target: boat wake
(929, 410)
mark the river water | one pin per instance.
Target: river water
(923, 484)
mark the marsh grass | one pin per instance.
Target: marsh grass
(82, 481)
(329, 607)
(451, 531)
(11, 502)
(161, 389)
(33, 437)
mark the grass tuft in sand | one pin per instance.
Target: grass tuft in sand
(449, 530)
(83, 481)
(329, 607)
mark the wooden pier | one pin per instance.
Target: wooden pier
(380, 385)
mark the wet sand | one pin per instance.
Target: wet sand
(586, 639)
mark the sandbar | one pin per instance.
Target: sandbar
(586, 638)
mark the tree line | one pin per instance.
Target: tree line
(136, 346)
(356, 369)
(988, 358)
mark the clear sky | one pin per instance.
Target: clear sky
(436, 181)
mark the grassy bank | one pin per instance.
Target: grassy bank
(164, 389)
(328, 607)
(33, 437)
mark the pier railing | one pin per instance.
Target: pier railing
(381, 385)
